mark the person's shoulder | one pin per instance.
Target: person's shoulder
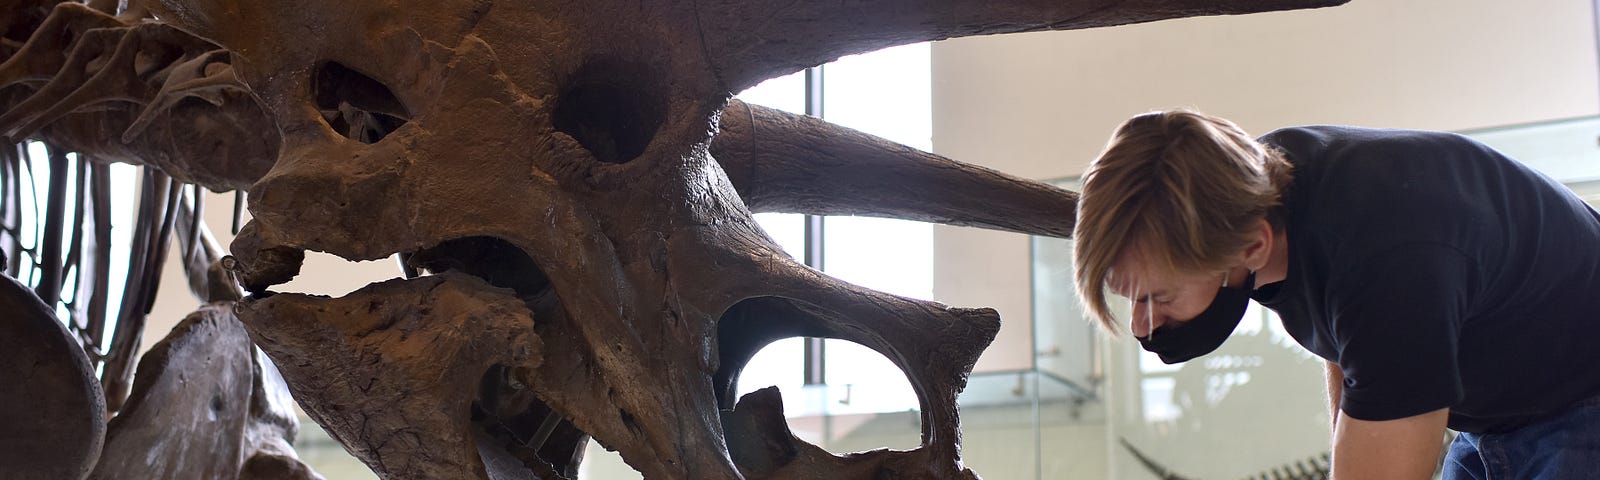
(1360, 153)
(1368, 139)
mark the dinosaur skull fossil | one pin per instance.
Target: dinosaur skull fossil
(576, 180)
(575, 174)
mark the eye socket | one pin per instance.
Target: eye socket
(356, 105)
(611, 108)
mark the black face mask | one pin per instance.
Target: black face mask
(1207, 331)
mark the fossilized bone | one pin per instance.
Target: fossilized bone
(123, 90)
(54, 413)
(207, 404)
(205, 407)
(556, 166)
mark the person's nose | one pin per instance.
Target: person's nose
(1145, 320)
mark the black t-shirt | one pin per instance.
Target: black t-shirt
(1436, 272)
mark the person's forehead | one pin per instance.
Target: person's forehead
(1131, 271)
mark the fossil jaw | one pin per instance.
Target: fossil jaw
(407, 349)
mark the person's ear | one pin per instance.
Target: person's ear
(1259, 250)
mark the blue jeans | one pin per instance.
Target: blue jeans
(1565, 446)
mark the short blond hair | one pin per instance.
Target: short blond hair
(1185, 187)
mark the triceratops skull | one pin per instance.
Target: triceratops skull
(562, 160)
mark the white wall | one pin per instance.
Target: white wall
(1041, 105)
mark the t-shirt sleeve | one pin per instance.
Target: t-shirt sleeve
(1396, 322)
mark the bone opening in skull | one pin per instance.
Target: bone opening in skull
(610, 108)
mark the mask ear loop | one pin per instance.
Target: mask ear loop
(1149, 317)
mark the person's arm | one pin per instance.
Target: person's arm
(1404, 448)
(1335, 387)
(1396, 324)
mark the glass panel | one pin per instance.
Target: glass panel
(1258, 401)
(1027, 424)
(1566, 150)
(1065, 339)
(1588, 191)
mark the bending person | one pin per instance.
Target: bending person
(1444, 283)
